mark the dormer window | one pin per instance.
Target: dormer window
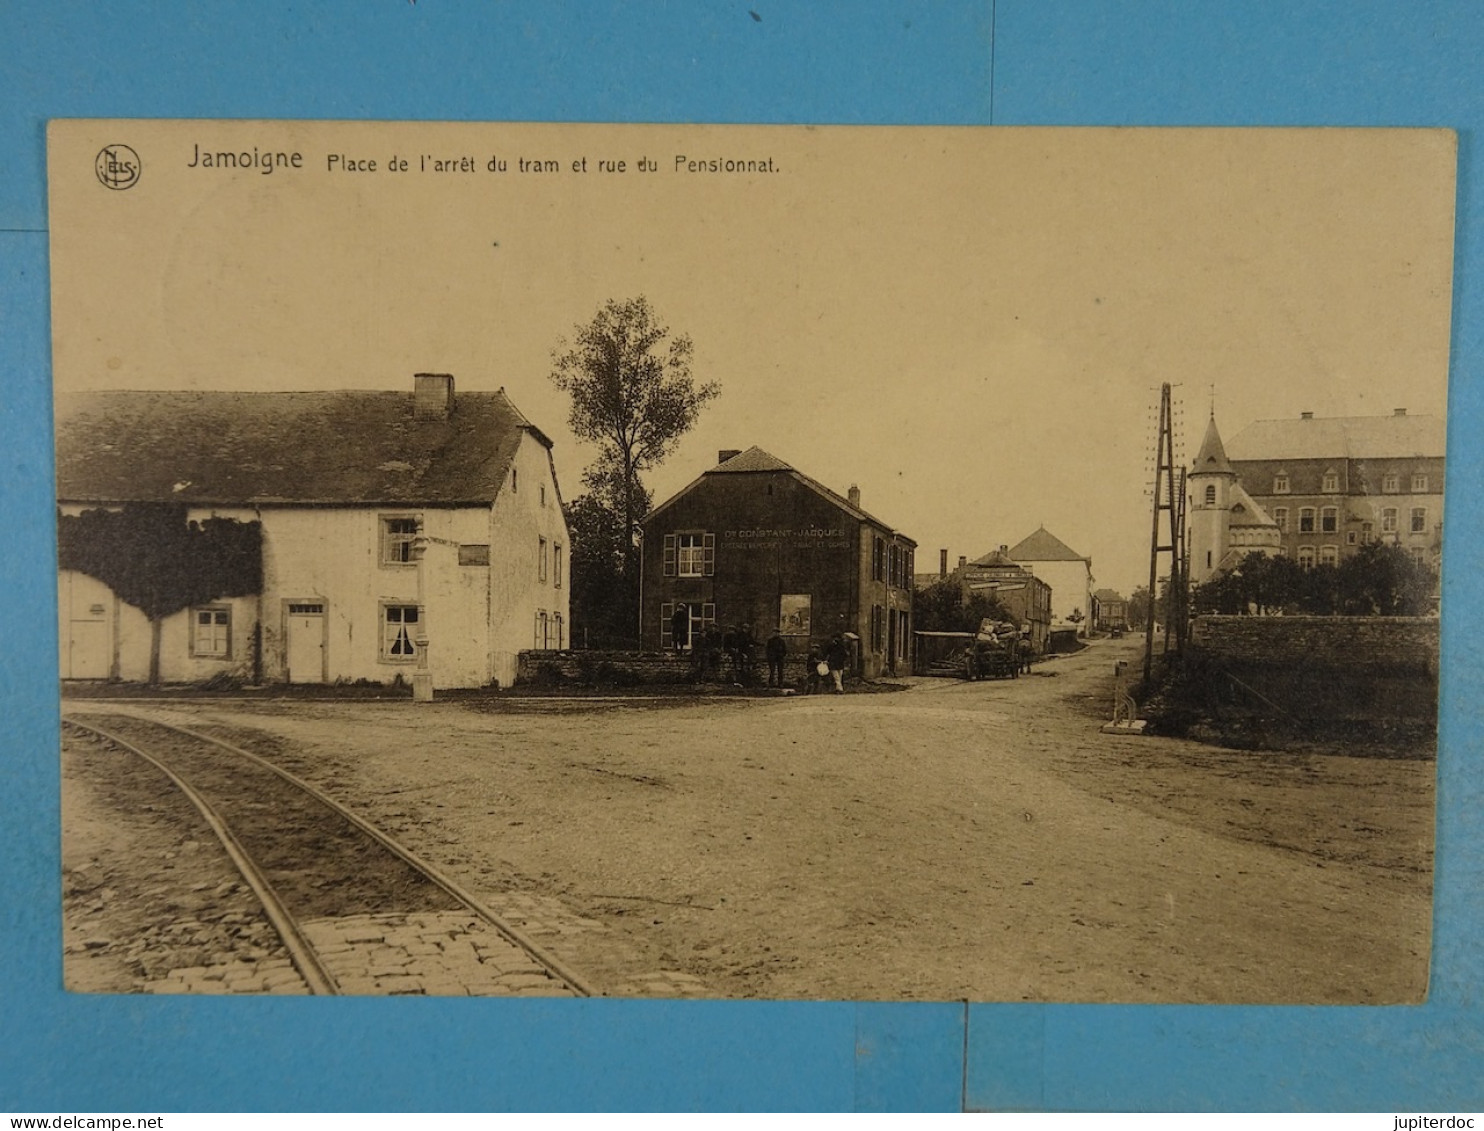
(1280, 483)
(1419, 483)
(1390, 483)
(1331, 481)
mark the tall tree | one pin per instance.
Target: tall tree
(633, 395)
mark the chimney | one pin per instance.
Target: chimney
(963, 561)
(1398, 412)
(943, 562)
(854, 495)
(1004, 549)
(1306, 416)
(432, 396)
(727, 453)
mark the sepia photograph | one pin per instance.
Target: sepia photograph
(749, 562)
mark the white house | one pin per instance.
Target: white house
(1067, 572)
(348, 487)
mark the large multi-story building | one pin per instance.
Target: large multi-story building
(756, 542)
(1317, 490)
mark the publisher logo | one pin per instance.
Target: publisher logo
(117, 167)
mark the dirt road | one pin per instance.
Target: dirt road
(955, 840)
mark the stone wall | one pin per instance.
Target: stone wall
(1399, 645)
(630, 669)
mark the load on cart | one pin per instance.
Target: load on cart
(998, 650)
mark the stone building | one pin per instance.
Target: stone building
(1067, 572)
(755, 542)
(1018, 590)
(1317, 490)
(386, 517)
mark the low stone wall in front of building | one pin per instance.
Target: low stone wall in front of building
(1395, 644)
(1346, 684)
(636, 669)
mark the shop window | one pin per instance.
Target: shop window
(211, 632)
(399, 632)
(398, 533)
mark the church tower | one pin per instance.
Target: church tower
(1211, 484)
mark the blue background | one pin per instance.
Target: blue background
(1005, 62)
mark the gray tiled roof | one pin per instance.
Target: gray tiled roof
(1337, 437)
(254, 448)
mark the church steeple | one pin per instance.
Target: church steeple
(1211, 459)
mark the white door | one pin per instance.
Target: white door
(86, 639)
(304, 645)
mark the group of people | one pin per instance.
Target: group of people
(736, 645)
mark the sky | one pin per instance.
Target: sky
(970, 324)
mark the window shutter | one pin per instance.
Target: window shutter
(708, 554)
(669, 555)
(667, 610)
(708, 614)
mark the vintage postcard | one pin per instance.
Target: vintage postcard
(749, 562)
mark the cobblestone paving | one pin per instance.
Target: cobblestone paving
(449, 954)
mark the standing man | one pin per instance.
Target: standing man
(776, 649)
(837, 656)
(680, 627)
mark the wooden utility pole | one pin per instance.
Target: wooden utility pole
(1169, 499)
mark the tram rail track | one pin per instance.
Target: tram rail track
(271, 822)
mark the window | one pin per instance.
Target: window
(1329, 555)
(1388, 520)
(543, 494)
(1331, 481)
(211, 632)
(399, 632)
(702, 617)
(878, 556)
(1350, 538)
(397, 536)
(1280, 516)
(543, 630)
(1390, 483)
(1419, 483)
(1280, 483)
(1306, 520)
(1329, 520)
(556, 565)
(1367, 533)
(556, 630)
(541, 559)
(1306, 557)
(1419, 555)
(690, 555)
(1419, 520)
(514, 480)
(878, 630)
(1210, 494)
(474, 555)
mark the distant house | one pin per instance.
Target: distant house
(1317, 490)
(349, 488)
(1067, 572)
(1109, 610)
(754, 541)
(1018, 590)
